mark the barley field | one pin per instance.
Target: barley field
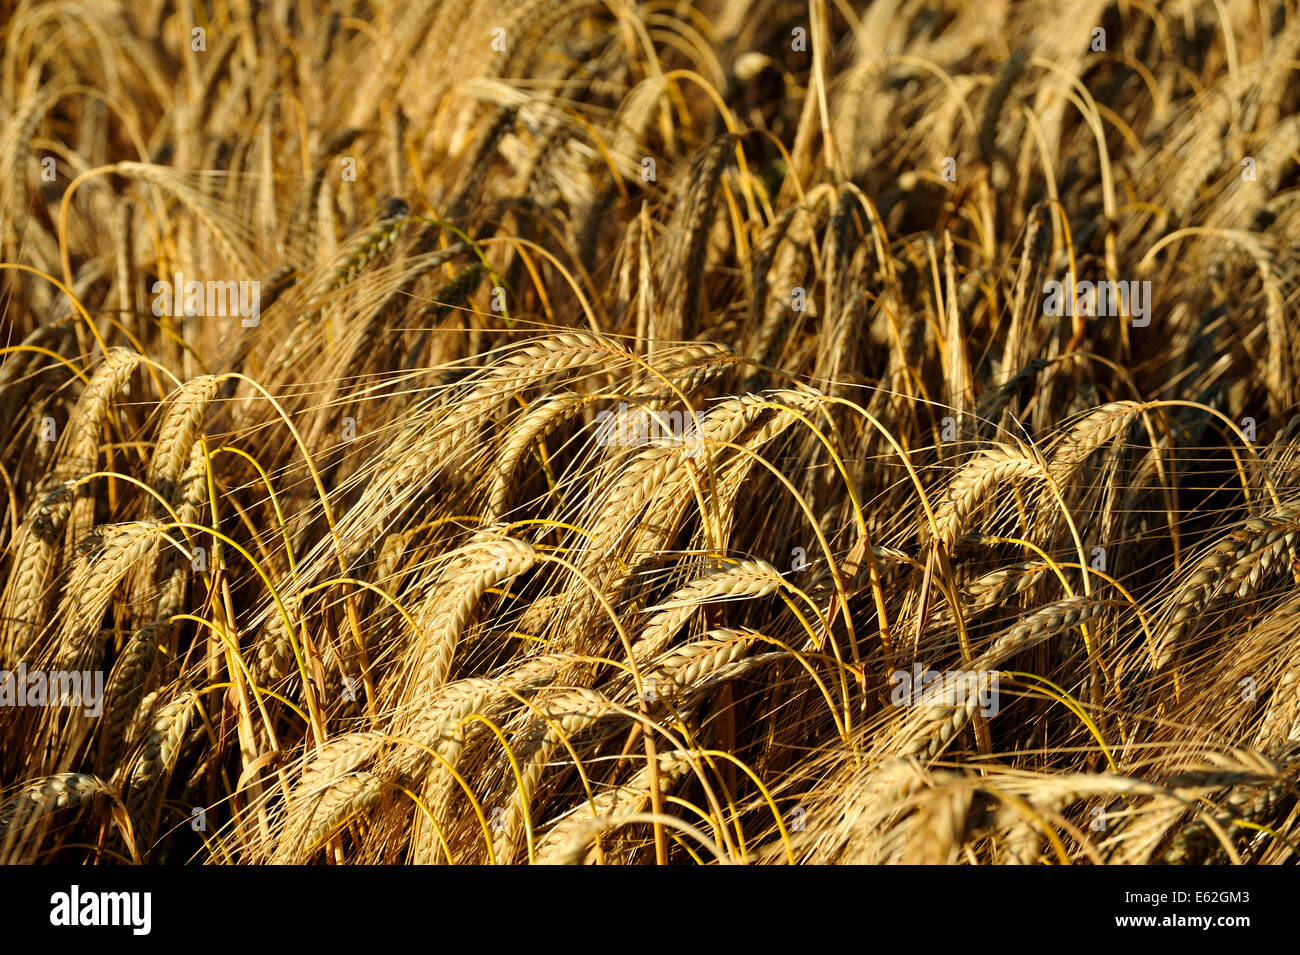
(649, 432)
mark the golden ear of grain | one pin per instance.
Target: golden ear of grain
(182, 420)
(341, 800)
(1197, 844)
(566, 842)
(1038, 626)
(26, 593)
(1234, 567)
(696, 660)
(147, 776)
(561, 717)
(95, 579)
(126, 687)
(80, 449)
(749, 579)
(359, 252)
(972, 485)
(446, 612)
(335, 759)
(22, 813)
(544, 416)
(1089, 433)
